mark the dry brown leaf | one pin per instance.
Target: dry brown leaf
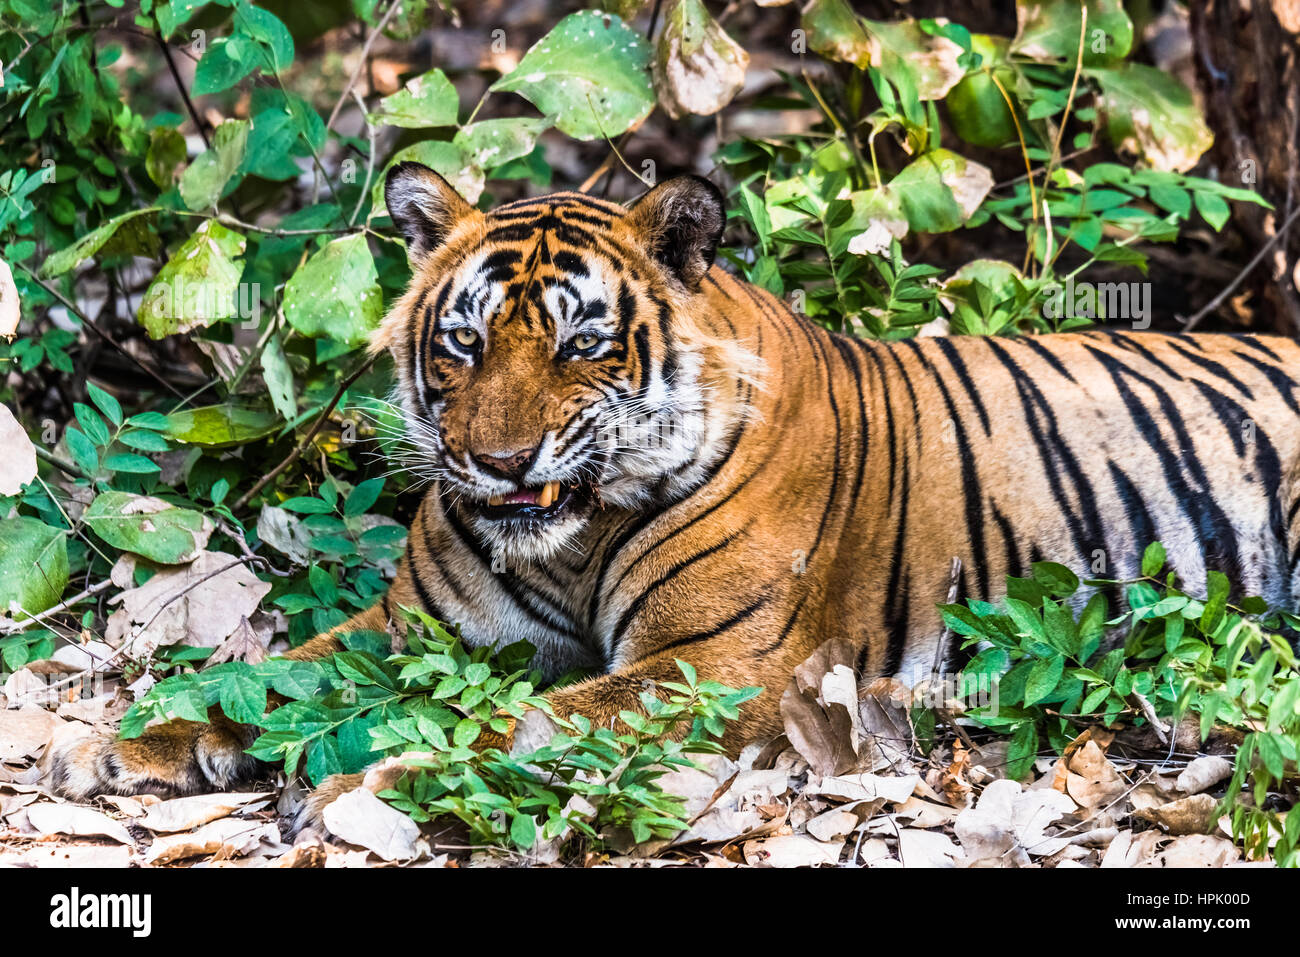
(820, 711)
(224, 838)
(1198, 850)
(183, 814)
(864, 787)
(9, 310)
(697, 67)
(185, 606)
(24, 733)
(838, 823)
(76, 821)
(244, 644)
(1189, 815)
(68, 855)
(360, 818)
(18, 464)
(1131, 849)
(792, 850)
(1091, 780)
(1007, 823)
(1203, 773)
(917, 848)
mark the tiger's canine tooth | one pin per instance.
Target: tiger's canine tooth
(497, 500)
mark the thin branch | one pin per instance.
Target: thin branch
(370, 160)
(89, 324)
(361, 64)
(302, 446)
(7, 627)
(60, 463)
(1228, 290)
(180, 85)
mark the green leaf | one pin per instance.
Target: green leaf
(166, 152)
(428, 100)
(136, 237)
(33, 566)
(204, 182)
(491, 143)
(149, 526)
(940, 190)
(1049, 30)
(220, 426)
(1022, 750)
(523, 830)
(1214, 210)
(466, 732)
(1057, 579)
(131, 463)
(111, 408)
(198, 286)
(335, 293)
(448, 160)
(1152, 114)
(1043, 678)
(242, 697)
(278, 377)
(263, 25)
(362, 497)
(226, 61)
(588, 75)
(1153, 559)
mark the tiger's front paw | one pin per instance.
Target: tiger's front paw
(177, 758)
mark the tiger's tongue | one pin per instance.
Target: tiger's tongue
(522, 497)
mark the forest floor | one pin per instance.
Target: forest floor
(843, 787)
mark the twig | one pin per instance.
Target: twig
(370, 160)
(8, 627)
(59, 463)
(253, 558)
(180, 85)
(126, 645)
(88, 323)
(954, 582)
(614, 154)
(361, 64)
(1149, 712)
(1042, 169)
(302, 446)
(1218, 300)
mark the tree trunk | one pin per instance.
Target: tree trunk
(1246, 66)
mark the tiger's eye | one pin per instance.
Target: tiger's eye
(466, 337)
(584, 341)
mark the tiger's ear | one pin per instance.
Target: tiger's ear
(424, 206)
(680, 221)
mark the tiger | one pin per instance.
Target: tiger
(636, 457)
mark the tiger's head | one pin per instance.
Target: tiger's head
(549, 354)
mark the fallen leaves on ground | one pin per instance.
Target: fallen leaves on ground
(845, 785)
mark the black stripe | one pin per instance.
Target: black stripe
(946, 346)
(1214, 530)
(970, 483)
(635, 606)
(731, 622)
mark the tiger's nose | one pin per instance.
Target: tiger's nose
(510, 465)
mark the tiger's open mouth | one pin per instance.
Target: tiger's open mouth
(535, 502)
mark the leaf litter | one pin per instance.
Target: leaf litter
(845, 785)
